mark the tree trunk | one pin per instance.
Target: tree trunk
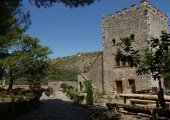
(10, 83)
(161, 96)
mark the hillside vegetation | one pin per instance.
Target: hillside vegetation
(67, 68)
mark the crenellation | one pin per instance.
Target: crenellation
(125, 11)
(157, 12)
(144, 5)
(118, 13)
(110, 15)
(133, 7)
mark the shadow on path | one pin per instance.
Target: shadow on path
(56, 109)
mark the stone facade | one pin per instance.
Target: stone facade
(95, 73)
(140, 22)
(97, 78)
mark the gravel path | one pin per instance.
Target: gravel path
(57, 108)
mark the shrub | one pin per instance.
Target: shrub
(72, 93)
(133, 90)
(75, 96)
(65, 87)
(29, 94)
(89, 91)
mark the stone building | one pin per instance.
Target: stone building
(141, 23)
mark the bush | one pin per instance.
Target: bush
(75, 96)
(133, 90)
(89, 91)
(72, 93)
(65, 87)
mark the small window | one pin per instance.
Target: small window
(113, 41)
(146, 12)
(132, 36)
(131, 82)
(124, 64)
(81, 86)
(117, 62)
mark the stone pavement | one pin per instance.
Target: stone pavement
(57, 108)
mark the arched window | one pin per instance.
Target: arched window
(123, 64)
(117, 63)
(132, 36)
(146, 12)
(113, 41)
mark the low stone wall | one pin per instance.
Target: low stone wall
(22, 86)
(56, 85)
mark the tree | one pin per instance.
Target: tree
(13, 13)
(7, 43)
(69, 3)
(89, 91)
(154, 60)
(36, 66)
(24, 57)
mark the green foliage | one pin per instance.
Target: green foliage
(72, 3)
(65, 75)
(154, 60)
(89, 91)
(75, 96)
(25, 58)
(65, 87)
(116, 97)
(67, 68)
(98, 94)
(72, 93)
(109, 98)
(133, 88)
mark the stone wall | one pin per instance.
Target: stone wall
(95, 73)
(142, 22)
(56, 85)
(81, 79)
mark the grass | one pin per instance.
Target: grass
(69, 68)
(64, 75)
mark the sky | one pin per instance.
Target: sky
(70, 31)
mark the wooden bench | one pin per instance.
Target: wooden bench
(144, 97)
(144, 102)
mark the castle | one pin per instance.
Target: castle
(141, 23)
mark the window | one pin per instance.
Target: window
(117, 62)
(81, 86)
(131, 82)
(113, 41)
(146, 12)
(132, 36)
(124, 64)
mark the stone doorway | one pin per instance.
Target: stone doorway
(119, 87)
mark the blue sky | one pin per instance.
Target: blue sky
(69, 31)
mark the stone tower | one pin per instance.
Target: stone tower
(140, 22)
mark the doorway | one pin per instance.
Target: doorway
(119, 87)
